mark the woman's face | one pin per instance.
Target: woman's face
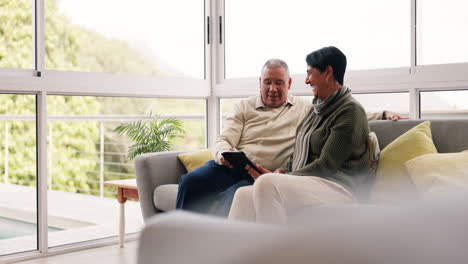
(318, 81)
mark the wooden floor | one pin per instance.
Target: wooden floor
(103, 255)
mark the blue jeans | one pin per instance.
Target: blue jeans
(211, 188)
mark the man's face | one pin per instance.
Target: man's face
(274, 86)
(318, 81)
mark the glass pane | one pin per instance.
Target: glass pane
(84, 151)
(18, 207)
(145, 37)
(441, 27)
(372, 34)
(444, 104)
(377, 102)
(16, 34)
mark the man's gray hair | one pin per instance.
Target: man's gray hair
(275, 63)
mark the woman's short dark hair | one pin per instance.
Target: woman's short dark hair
(328, 56)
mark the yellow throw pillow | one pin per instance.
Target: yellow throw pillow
(392, 182)
(193, 160)
(439, 173)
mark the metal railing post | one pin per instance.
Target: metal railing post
(51, 148)
(6, 152)
(101, 157)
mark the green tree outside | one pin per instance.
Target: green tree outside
(68, 47)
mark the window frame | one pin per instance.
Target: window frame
(412, 79)
(41, 83)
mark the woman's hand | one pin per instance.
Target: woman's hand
(280, 171)
(254, 173)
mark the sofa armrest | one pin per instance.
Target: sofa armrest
(153, 170)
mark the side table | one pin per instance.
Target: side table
(126, 189)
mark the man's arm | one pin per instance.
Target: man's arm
(231, 134)
(385, 115)
(375, 116)
(392, 116)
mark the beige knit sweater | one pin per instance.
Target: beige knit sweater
(265, 134)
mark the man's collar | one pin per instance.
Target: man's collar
(259, 102)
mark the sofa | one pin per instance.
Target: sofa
(159, 173)
(430, 232)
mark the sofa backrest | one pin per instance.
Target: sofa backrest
(449, 135)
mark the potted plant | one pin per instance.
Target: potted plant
(153, 134)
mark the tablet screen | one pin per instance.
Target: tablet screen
(238, 159)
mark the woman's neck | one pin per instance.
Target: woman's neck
(332, 87)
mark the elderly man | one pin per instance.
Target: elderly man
(263, 127)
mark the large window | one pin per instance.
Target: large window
(441, 31)
(444, 104)
(373, 34)
(377, 102)
(97, 64)
(84, 151)
(372, 103)
(117, 36)
(18, 213)
(16, 34)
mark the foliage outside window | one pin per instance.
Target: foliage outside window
(74, 145)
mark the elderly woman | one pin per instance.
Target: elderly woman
(330, 163)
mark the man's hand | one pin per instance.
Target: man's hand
(393, 116)
(254, 173)
(225, 162)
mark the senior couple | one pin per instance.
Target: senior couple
(308, 154)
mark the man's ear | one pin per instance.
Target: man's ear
(289, 83)
(260, 82)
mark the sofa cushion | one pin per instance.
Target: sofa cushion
(392, 182)
(439, 173)
(193, 160)
(165, 196)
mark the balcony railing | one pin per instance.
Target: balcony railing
(107, 166)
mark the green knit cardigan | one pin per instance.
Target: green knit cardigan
(338, 149)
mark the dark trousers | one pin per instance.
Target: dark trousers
(211, 188)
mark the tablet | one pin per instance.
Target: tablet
(238, 159)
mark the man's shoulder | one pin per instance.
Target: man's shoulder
(300, 100)
(245, 104)
(300, 103)
(249, 101)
